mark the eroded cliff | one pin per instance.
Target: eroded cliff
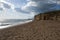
(52, 15)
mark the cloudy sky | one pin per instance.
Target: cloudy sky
(24, 9)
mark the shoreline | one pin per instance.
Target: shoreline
(20, 23)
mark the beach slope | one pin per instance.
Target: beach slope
(41, 30)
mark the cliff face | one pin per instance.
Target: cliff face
(53, 15)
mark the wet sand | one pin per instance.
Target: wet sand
(36, 30)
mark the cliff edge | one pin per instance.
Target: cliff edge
(53, 15)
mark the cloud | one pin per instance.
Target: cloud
(43, 0)
(46, 1)
(41, 5)
(2, 0)
(7, 4)
(20, 10)
(13, 13)
(1, 9)
(28, 5)
(33, 7)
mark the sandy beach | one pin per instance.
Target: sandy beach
(36, 30)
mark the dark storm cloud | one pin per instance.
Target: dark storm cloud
(1, 9)
(43, 5)
(45, 0)
(46, 6)
(40, 0)
(6, 6)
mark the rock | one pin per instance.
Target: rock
(52, 15)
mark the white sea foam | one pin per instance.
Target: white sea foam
(7, 26)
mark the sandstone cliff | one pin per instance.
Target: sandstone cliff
(52, 15)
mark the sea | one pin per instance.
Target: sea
(12, 22)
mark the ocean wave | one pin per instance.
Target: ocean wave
(6, 25)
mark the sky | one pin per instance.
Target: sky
(25, 9)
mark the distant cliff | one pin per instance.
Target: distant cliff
(52, 15)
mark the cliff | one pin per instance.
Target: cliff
(52, 15)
